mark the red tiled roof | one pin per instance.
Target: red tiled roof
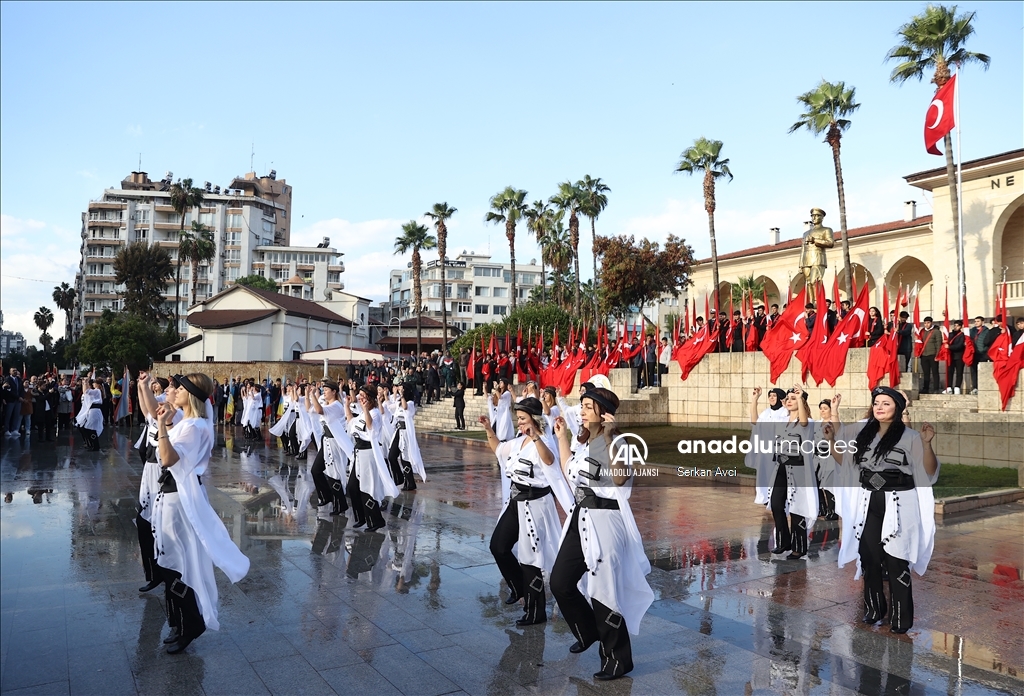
(410, 341)
(226, 318)
(297, 307)
(426, 323)
(924, 220)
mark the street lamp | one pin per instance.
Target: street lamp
(399, 327)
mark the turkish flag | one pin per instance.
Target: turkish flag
(940, 118)
(785, 335)
(918, 338)
(1007, 366)
(968, 341)
(878, 361)
(832, 362)
(810, 353)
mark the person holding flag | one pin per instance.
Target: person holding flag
(956, 346)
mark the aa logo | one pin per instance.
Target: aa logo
(629, 450)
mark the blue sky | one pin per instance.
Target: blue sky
(375, 112)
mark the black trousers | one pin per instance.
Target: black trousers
(589, 621)
(872, 559)
(366, 509)
(395, 460)
(460, 417)
(955, 372)
(146, 548)
(930, 369)
(328, 490)
(92, 440)
(182, 608)
(795, 538)
(293, 437)
(63, 423)
(523, 580)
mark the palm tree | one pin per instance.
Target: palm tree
(415, 237)
(44, 319)
(569, 199)
(144, 271)
(825, 109)
(64, 297)
(558, 255)
(704, 157)
(508, 206)
(184, 197)
(747, 287)
(595, 200)
(439, 214)
(539, 220)
(196, 247)
(934, 39)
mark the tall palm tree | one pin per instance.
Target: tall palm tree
(184, 197)
(747, 287)
(508, 206)
(825, 110)
(558, 255)
(595, 200)
(705, 157)
(64, 297)
(44, 320)
(415, 238)
(439, 214)
(539, 220)
(569, 199)
(196, 247)
(934, 39)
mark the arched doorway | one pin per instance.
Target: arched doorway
(771, 289)
(908, 273)
(1008, 247)
(296, 352)
(861, 275)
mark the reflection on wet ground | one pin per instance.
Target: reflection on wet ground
(416, 607)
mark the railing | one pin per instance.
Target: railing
(1014, 289)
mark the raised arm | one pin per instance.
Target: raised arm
(147, 400)
(754, 396)
(492, 439)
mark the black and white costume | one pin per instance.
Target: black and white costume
(501, 416)
(369, 480)
(90, 418)
(332, 457)
(403, 448)
(785, 480)
(149, 487)
(285, 428)
(887, 512)
(190, 536)
(529, 522)
(602, 554)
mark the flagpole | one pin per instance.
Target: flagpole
(961, 273)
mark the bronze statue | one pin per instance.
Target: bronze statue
(816, 241)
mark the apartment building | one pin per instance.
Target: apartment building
(251, 222)
(477, 290)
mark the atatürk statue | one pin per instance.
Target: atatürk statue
(812, 255)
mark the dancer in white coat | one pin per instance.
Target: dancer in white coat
(369, 480)
(600, 542)
(785, 472)
(90, 418)
(886, 503)
(190, 536)
(529, 518)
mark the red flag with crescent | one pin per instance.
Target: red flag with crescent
(940, 118)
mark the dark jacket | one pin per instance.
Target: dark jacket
(956, 344)
(459, 400)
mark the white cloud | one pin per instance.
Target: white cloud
(34, 257)
(134, 130)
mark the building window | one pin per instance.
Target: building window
(141, 216)
(463, 308)
(235, 220)
(232, 254)
(500, 310)
(209, 358)
(501, 292)
(507, 276)
(206, 219)
(296, 355)
(480, 309)
(176, 357)
(484, 272)
(233, 238)
(482, 292)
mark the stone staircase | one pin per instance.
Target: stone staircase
(939, 403)
(440, 415)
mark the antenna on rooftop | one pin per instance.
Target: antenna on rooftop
(140, 161)
(252, 155)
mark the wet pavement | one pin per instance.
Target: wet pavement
(418, 607)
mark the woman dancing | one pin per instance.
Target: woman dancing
(369, 480)
(335, 446)
(90, 418)
(190, 537)
(785, 474)
(600, 541)
(528, 518)
(885, 501)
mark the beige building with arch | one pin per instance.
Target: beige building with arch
(915, 250)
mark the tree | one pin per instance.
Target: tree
(704, 157)
(540, 220)
(143, 270)
(559, 257)
(440, 213)
(595, 200)
(196, 247)
(636, 273)
(533, 318)
(747, 287)
(43, 318)
(184, 197)
(415, 238)
(118, 339)
(258, 282)
(64, 297)
(508, 206)
(934, 39)
(825, 109)
(569, 199)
